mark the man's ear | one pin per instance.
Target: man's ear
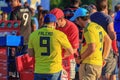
(55, 24)
(62, 19)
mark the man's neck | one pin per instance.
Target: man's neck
(105, 11)
(74, 6)
(86, 23)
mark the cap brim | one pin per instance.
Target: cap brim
(73, 18)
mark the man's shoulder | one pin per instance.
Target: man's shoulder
(101, 18)
(96, 15)
(58, 32)
(71, 26)
(22, 9)
(70, 23)
(90, 26)
(55, 31)
(100, 14)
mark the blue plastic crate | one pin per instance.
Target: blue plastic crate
(11, 40)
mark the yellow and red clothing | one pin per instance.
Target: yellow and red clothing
(47, 44)
(71, 30)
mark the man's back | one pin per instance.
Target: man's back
(47, 43)
(24, 15)
(94, 33)
(101, 19)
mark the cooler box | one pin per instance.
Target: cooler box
(11, 40)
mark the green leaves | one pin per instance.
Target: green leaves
(64, 3)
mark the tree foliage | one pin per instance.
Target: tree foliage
(63, 3)
(59, 3)
(109, 4)
(88, 2)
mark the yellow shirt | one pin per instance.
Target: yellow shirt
(94, 33)
(47, 44)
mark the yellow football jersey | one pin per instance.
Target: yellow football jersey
(94, 33)
(47, 44)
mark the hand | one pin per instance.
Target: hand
(116, 53)
(104, 63)
(65, 56)
(64, 73)
(78, 60)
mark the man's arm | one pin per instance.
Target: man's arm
(112, 35)
(90, 49)
(31, 52)
(86, 53)
(69, 51)
(107, 46)
(111, 31)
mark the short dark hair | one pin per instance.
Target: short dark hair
(87, 7)
(38, 7)
(84, 18)
(117, 7)
(75, 1)
(101, 5)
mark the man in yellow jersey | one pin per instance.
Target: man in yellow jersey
(95, 48)
(45, 45)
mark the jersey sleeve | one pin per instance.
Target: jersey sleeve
(64, 41)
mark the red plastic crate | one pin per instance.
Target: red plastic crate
(3, 78)
(3, 70)
(3, 61)
(3, 57)
(3, 50)
(3, 54)
(3, 64)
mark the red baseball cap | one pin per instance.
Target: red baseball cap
(57, 12)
